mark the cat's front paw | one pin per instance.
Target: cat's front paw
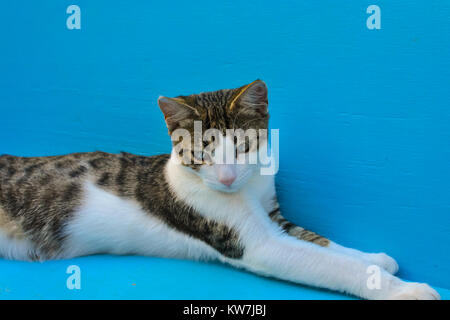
(414, 291)
(384, 261)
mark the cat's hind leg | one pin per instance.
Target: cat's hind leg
(16, 249)
(13, 243)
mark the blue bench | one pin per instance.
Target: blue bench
(133, 277)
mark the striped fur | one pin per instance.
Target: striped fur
(296, 231)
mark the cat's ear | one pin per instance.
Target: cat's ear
(175, 110)
(253, 97)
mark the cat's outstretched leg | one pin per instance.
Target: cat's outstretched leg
(380, 259)
(286, 258)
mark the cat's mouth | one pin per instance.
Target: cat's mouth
(217, 186)
(228, 189)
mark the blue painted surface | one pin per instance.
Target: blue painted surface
(118, 277)
(369, 109)
(113, 277)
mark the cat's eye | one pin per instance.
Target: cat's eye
(208, 157)
(209, 150)
(243, 147)
(197, 156)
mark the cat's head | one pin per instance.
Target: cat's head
(218, 134)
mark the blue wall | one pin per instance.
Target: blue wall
(369, 109)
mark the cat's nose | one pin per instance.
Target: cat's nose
(227, 181)
(226, 174)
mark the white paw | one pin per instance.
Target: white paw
(414, 291)
(384, 261)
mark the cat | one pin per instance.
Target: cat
(186, 205)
